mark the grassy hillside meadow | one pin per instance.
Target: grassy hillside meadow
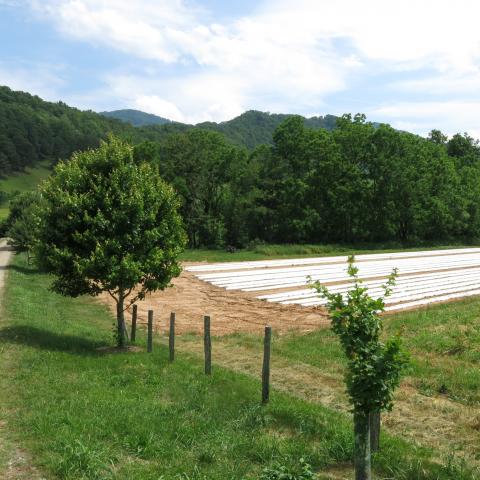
(87, 415)
(22, 182)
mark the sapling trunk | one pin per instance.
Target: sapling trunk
(362, 455)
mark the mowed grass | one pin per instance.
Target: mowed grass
(87, 415)
(271, 252)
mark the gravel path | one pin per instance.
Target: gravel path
(5, 254)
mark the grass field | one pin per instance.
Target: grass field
(24, 181)
(87, 415)
(27, 180)
(270, 252)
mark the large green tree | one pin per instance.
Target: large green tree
(110, 225)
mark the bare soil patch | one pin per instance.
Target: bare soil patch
(231, 311)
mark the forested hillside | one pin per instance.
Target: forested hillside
(32, 130)
(357, 182)
(255, 128)
(249, 130)
(136, 117)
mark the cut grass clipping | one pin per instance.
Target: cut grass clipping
(84, 415)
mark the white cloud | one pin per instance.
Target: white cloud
(451, 83)
(158, 106)
(286, 55)
(38, 79)
(449, 116)
(246, 63)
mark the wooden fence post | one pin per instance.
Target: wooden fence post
(150, 331)
(207, 342)
(133, 334)
(374, 431)
(171, 337)
(266, 365)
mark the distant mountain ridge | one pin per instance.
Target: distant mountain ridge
(137, 118)
(249, 129)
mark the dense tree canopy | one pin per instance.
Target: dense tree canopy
(359, 182)
(350, 181)
(32, 130)
(24, 221)
(109, 225)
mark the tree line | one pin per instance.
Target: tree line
(360, 182)
(350, 181)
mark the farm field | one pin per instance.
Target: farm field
(424, 277)
(75, 413)
(438, 405)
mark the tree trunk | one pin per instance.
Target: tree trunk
(363, 467)
(120, 321)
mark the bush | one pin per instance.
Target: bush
(301, 471)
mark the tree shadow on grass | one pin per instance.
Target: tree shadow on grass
(18, 268)
(47, 340)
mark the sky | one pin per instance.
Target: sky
(412, 63)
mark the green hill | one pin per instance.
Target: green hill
(136, 117)
(254, 128)
(249, 129)
(33, 130)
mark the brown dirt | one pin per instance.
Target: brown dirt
(18, 462)
(231, 312)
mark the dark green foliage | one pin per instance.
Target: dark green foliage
(136, 117)
(255, 128)
(111, 225)
(24, 221)
(206, 172)
(358, 183)
(302, 471)
(32, 129)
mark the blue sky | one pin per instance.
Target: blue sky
(413, 64)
